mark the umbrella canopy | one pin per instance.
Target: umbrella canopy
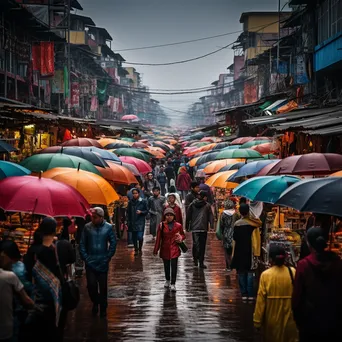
(41, 196)
(129, 117)
(138, 144)
(165, 147)
(141, 165)
(207, 147)
(118, 174)
(265, 170)
(235, 166)
(193, 161)
(78, 152)
(93, 188)
(252, 143)
(221, 145)
(216, 165)
(233, 154)
(117, 145)
(104, 154)
(206, 158)
(308, 164)
(265, 189)
(250, 169)
(131, 168)
(219, 180)
(106, 141)
(6, 148)
(199, 144)
(203, 166)
(131, 152)
(270, 156)
(318, 195)
(82, 142)
(211, 139)
(232, 147)
(243, 140)
(8, 169)
(265, 148)
(46, 161)
(130, 140)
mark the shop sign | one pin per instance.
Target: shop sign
(75, 94)
(301, 74)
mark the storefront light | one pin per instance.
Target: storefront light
(29, 126)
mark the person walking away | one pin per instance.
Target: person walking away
(170, 174)
(98, 246)
(246, 250)
(317, 296)
(273, 312)
(192, 195)
(183, 182)
(162, 179)
(170, 234)
(198, 218)
(176, 164)
(137, 210)
(156, 208)
(171, 203)
(227, 229)
(150, 184)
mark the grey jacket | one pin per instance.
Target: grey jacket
(199, 216)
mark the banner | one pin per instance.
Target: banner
(75, 94)
(43, 58)
(58, 82)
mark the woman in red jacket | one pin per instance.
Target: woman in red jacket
(183, 182)
(170, 234)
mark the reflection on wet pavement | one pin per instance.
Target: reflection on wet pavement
(206, 306)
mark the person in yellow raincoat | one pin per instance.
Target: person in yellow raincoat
(273, 311)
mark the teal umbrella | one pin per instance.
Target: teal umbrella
(237, 153)
(8, 169)
(47, 161)
(133, 152)
(128, 139)
(265, 189)
(233, 147)
(252, 143)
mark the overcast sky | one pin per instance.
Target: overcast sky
(137, 23)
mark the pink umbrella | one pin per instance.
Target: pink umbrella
(243, 140)
(82, 142)
(141, 165)
(41, 196)
(265, 148)
(264, 171)
(308, 164)
(129, 117)
(139, 144)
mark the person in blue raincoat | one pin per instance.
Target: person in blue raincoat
(136, 213)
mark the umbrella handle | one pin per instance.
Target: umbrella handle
(79, 166)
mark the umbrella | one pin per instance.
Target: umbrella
(250, 169)
(41, 196)
(219, 180)
(245, 154)
(131, 168)
(264, 171)
(216, 165)
(200, 144)
(6, 148)
(8, 169)
(211, 139)
(129, 117)
(104, 154)
(138, 144)
(78, 152)
(203, 166)
(229, 167)
(207, 147)
(46, 161)
(106, 141)
(117, 145)
(308, 164)
(318, 195)
(252, 143)
(265, 189)
(141, 165)
(132, 152)
(243, 140)
(206, 158)
(128, 140)
(221, 145)
(118, 174)
(265, 148)
(82, 142)
(192, 162)
(233, 147)
(270, 156)
(93, 188)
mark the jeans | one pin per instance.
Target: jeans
(138, 240)
(199, 241)
(171, 265)
(246, 283)
(97, 287)
(129, 238)
(184, 193)
(163, 189)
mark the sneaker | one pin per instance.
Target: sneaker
(203, 266)
(228, 269)
(251, 299)
(244, 298)
(173, 288)
(130, 245)
(167, 284)
(95, 310)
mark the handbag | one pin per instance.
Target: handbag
(182, 246)
(70, 290)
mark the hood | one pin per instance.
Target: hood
(199, 203)
(327, 264)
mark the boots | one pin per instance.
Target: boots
(140, 243)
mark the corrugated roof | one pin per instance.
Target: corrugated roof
(334, 130)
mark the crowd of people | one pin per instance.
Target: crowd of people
(291, 304)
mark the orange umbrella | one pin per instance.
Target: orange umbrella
(265, 148)
(207, 147)
(117, 174)
(211, 139)
(94, 188)
(192, 162)
(336, 174)
(219, 164)
(219, 180)
(156, 154)
(158, 149)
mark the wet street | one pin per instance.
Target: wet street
(206, 306)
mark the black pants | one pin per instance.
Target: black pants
(97, 287)
(199, 241)
(171, 265)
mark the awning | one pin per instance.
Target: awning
(274, 106)
(334, 130)
(265, 105)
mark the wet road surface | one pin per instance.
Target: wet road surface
(206, 307)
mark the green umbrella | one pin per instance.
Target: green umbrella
(133, 152)
(252, 143)
(236, 154)
(47, 161)
(127, 139)
(270, 156)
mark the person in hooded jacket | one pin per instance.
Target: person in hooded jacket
(317, 293)
(192, 195)
(198, 218)
(183, 182)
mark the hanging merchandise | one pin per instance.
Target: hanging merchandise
(43, 55)
(102, 91)
(67, 135)
(94, 104)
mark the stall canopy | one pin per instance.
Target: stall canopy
(274, 106)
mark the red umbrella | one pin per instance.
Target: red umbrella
(82, 142)
(308, 164)
(139, 144)
(264, 171)
(265, 148)
(243, 140)
(129, 117)
(141, 165)
(41, 196)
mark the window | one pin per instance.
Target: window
(336, 17)
(252, 40)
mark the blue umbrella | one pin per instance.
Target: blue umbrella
(229, 167)
(250, 169)
(8, 169)
(104, 154)
(265, 189)
(6, 148)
